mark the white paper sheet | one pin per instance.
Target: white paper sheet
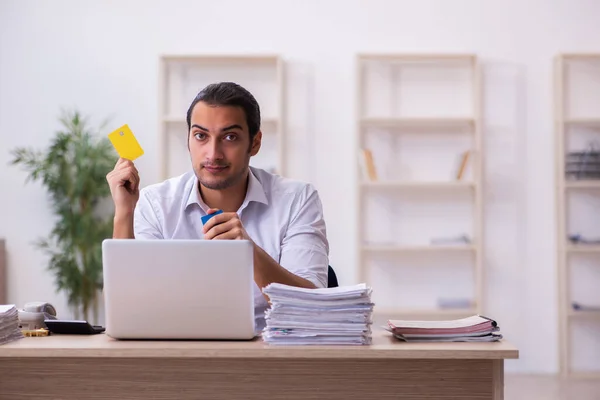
(298, 316)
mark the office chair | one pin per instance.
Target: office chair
(331, 278)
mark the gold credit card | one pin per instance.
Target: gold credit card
(125, 143)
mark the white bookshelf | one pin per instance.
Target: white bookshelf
(417, 249)
(577, 124)
(420, 314)
(414, 107)
(412, 122)
(417, 185)
(182, 76)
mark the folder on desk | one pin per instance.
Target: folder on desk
(476, 328)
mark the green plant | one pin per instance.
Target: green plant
(73, 170)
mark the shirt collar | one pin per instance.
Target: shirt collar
(255, 192)
(194, 195)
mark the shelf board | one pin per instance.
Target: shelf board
(174, 119)
(580, 56)
(583, 314)
(181, 120)
(375, 122)
(584, 122)
(416, 57)
(418, 249)
(222, 58)
(400, 313)
(270, 121)
(584, 375)
(583, 184)
(583, 248)
(417, 184)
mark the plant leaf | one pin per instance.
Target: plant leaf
(73, 171)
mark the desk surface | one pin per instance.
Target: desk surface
(384, 347)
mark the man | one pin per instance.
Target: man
(281, 217)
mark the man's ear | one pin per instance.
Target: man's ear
(256, 144)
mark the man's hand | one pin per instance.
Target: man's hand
(124, 183)
(225, 226)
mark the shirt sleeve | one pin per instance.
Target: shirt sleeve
(145, 220)
(305, 248)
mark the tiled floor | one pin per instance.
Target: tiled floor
(542, 387)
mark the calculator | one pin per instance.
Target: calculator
(73, 327)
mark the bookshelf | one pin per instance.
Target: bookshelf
(411, 122)
(416, 185)
(418, 121)
(422, 248)
(3, 275)
(577, 129)
(182, 76)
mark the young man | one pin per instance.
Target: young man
(281, 217)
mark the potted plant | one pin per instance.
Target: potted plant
(73, 170)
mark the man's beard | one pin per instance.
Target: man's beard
(225, 183)
(222, 184)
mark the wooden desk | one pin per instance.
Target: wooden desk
(97, 367)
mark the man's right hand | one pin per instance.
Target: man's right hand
(124, 183)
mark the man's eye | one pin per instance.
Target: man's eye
(199, 135)
(230, 137)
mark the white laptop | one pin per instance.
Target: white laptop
(178, 289)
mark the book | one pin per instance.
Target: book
(463, 165)
(368, 165)
(475, 328)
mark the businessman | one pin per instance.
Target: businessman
(283, 218)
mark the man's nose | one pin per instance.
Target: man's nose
(214, 151)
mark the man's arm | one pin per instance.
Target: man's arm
(267, 270)
(304, 255)
(145, 223)
(305, 248)
(124, 184)
(141, 223)
(123, 226)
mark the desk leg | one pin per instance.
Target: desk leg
(498, 379)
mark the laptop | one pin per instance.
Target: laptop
(178, 289)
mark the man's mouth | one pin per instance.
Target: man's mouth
(215, 168)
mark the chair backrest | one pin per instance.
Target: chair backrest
(331, 278)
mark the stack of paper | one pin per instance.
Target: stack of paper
(297, 316)
(9, 324)
(472, 329)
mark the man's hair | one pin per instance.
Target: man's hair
(229, 94)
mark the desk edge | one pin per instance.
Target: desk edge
(295, 353)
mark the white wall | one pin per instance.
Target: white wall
(102, 58)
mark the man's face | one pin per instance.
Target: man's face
(219, 143)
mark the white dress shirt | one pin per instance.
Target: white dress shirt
(282, 216)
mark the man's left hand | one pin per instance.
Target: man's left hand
(224, 226)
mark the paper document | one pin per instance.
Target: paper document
(9, 324)
(299, 316)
